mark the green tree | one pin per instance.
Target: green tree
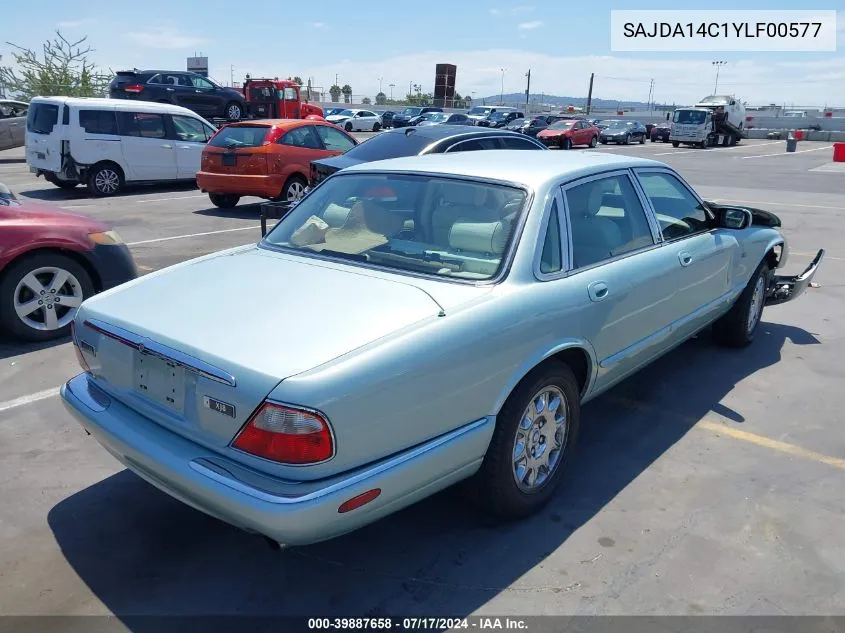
(62, 69)
(347, 93)
(381, 99)
(457, 97)
(366, 101)
(335, 91)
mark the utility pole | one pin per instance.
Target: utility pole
(380, 79)
(335, 80)
(391, 91)
(232, 75)
(527, 89)
(502, 94)
(590, 93)
(411, 89)
(650, 94)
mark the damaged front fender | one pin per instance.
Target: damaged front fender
(784, 288)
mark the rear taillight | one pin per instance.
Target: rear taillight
(79, 357)
(133, 88)
(286, 435)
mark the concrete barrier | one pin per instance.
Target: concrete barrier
(827, 137)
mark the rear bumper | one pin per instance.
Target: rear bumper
(261, 186)
(785, 288)
(289, 512)
(113, 263)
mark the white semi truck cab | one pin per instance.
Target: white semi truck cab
(715, 120)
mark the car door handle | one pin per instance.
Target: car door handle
(598, 291)
(197, 90)
(166, 146)
(685, 258)
(171, 89)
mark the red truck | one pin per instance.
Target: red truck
(276, 99)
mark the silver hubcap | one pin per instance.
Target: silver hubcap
(47, 298)
(295, 191)
(234, 112)
(540, 439)
(106, 181)
(756, 307)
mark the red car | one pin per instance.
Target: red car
(564, 134)
(50, 262)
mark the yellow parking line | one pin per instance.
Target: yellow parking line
(775, 445)
(800, 254)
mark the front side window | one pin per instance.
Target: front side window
(143, 124)
(436, 226)
(98, 121)
(475, 145)
(333, 140)
(199, 82)
(290, 94)
(190, 129)
(518, 143)
(678, 212)
(606, 220)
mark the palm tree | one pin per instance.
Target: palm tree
(335, 91)
(347, 93)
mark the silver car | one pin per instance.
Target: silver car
(12, 123)
(428, 320)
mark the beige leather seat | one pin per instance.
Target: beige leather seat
(594, 237)
(458, 202)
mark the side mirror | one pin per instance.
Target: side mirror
(732, 218)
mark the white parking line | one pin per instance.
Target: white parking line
(202, 195)
(779, 204)
(803, 151)
(24, 400)
(723, 149)
(182, 237)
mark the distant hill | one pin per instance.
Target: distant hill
(554, 100)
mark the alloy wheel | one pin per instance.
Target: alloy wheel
(755, 310)
(46, 298)
(540, 439)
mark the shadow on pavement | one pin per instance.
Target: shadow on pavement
(141, 552)
(53, 194)
(248, 211)
(11, 347)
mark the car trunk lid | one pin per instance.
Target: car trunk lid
(234, 325)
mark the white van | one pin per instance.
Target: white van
(104, 143)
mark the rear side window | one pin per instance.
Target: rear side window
(234, 136)
(98, 121)
(334, 140)
(143, 124)
(475, 145)
(518, 143)
(390, 145)
(42, 118)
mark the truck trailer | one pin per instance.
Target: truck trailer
(715, 120)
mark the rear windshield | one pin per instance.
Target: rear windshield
(390, 145)
(42, 118)
(240, 136)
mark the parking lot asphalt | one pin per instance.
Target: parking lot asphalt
(711, 483)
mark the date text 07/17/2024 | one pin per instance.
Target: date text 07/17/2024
(723, 29)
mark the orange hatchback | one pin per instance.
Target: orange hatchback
(268, 158)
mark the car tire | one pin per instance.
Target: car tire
(565, 143)
(627, 140)
(293, 189)
(676, 144)
(603, 142)
(376, 127)
(224, 200)
(496, 487)
(348, 127)
(233, 111)
(105, 179)
(737, 327)
(642, 139)
(594, 141)
(14, 295)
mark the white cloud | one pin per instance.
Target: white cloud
(528, 26)
(617, 77)
(318, 25)
(72, 24)
(517, 10)
(166, 37)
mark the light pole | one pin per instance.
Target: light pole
(391, 91)
(502, 94)
(380, 79)
(718, 65)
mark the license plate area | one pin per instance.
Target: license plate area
(230, 160)
(41, 155)
(161, 381)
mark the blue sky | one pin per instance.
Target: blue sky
(401, 41)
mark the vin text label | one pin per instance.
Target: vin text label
(701, 31)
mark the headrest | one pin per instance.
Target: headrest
(381, 221)
(462, 194)
(476, 237)
(595, 200)
(335, 215)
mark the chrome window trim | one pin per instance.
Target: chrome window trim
(671, 172)
(626, 172)
(147, 346)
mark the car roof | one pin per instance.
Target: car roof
(534, 169)
(281, 123)
(439, 132)
(117, 104)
